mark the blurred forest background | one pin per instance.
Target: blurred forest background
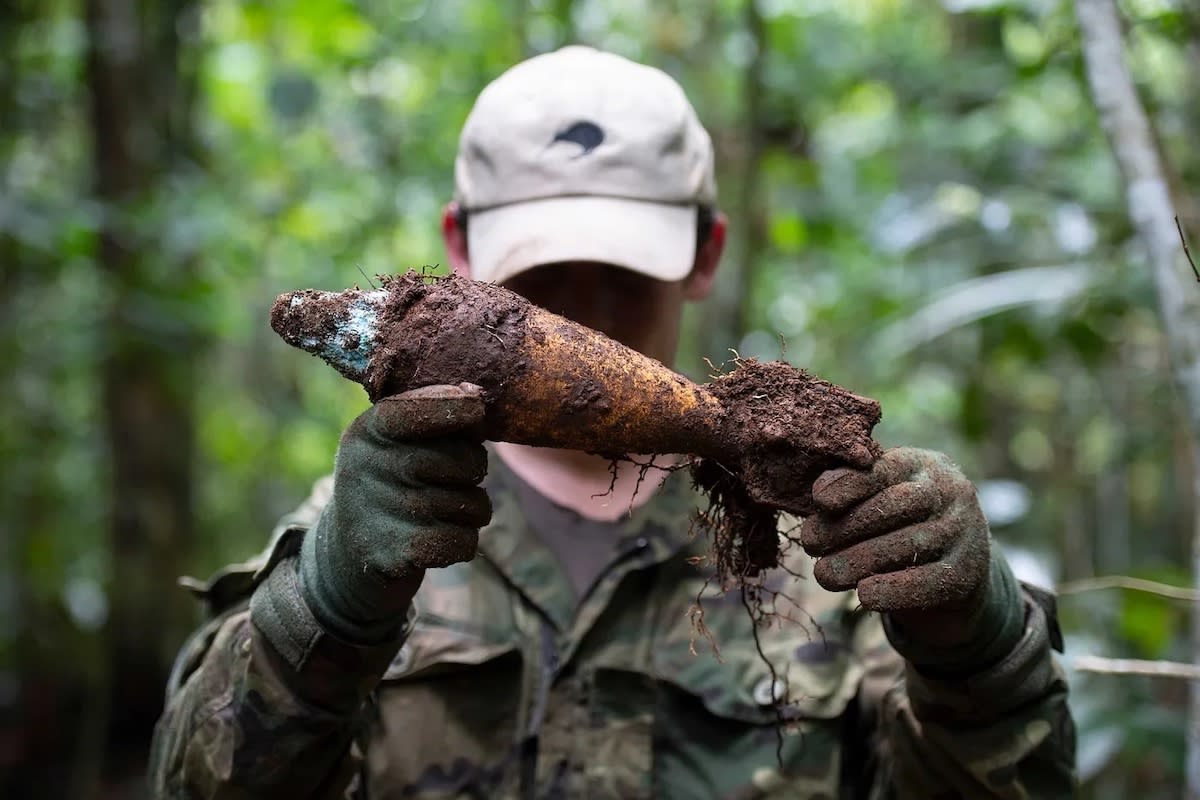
(924, 208)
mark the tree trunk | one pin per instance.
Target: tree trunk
(36, 722)
(138, 118)
(1151, 208)
(751, 207)
(727, 319)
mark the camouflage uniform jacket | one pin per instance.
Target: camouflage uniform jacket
(502, 686)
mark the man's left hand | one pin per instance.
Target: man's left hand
(909, 535)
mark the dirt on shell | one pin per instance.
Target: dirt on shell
(449, 330)
(761, 433)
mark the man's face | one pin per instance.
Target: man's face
(640, 312)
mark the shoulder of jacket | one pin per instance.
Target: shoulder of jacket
(233, 583)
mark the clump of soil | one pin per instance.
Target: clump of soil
(759, 435)
(788, 427)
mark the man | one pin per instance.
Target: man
(372, 652)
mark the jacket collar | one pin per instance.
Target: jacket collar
(652, 533)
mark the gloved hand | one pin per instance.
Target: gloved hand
(405, 499)
(910, 536)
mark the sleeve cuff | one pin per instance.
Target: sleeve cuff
(1021, 677)
(324, 669)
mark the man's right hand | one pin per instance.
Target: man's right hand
(406, 498)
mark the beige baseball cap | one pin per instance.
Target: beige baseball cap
(583, 155)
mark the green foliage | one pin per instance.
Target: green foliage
(933, 219)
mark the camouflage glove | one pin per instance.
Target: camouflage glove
(910, 537)
(405, 499)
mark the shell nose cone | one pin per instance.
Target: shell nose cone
(338, 327)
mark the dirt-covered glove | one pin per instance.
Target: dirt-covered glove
(406, 498)
(910, 536)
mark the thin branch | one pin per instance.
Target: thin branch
(1186, 252)
(370, 282)
(1134, 584)
(1136, 666)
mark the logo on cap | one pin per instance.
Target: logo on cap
(588, 135)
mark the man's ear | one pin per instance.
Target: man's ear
(454, 234)
(698, 283)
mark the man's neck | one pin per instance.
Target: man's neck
(586, 483)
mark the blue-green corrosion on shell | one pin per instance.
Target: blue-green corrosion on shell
(352, 343)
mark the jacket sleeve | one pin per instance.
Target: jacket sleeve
(1004, 732)
(262, 702)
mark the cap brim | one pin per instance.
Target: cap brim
(654, 239)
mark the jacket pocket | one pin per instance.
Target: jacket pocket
(443, 721)
(756, 719)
